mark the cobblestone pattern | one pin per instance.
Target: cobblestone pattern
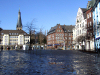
(48, 62)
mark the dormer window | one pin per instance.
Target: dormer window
(24, 33)
(2, 33)
(9, 33)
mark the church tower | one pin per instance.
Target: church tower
(19, 22)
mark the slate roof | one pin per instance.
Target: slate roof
(19, 22)
(84, 12)
(95, 2)
(91, 4)
(14, 32)
(66, 28)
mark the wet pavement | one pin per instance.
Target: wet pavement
(49, 62)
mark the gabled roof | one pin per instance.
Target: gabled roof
(14, 31)
(84, 12)
(66, 28)
(52, 30)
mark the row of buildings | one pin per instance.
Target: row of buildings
(86, 34)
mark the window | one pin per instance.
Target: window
(83, 24)
(24, 33)
(9, 33)
(69, 42)
(87, 15)
(65, 34)
(90, 24)
(90, 14)
(56, 37)
(69, 34)
(80, 25)
(62, 34)
(2, 33)
(56, 34)
(69, 38)
(65, 37)
(59, 26)
(80, 31)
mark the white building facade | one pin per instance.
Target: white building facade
(14, 37)
(80, 29)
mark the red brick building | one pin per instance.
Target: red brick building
(60, 35)
(89, 29)
(89, 22)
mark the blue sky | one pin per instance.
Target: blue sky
(47, 13)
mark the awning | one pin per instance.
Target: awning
(50, 45)
(56, 44)
(97, 38)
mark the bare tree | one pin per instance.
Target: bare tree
(41, 36)
(30, 27)
(0, 33)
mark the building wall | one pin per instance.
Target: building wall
(6, 39)
(96, 22)
(90, 39)
(55, 38)
(13, 40)
(80, 29)
(58, 38)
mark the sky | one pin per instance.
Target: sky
(47, 13)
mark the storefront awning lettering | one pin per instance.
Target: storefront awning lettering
(50, 45)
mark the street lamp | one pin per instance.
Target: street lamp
(64, 44)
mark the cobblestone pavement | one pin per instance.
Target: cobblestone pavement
(48, 62)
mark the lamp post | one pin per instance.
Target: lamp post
(64, 44)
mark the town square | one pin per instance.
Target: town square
(50, 37)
